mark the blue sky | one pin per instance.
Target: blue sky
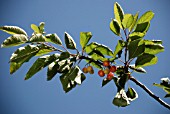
(38, 96)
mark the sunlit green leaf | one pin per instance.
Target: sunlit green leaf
(40, 63)
(95, 64)
(44, 49)
(127, 21)
(114, 27)
(131, 94)
(53, 38)
(15, 40)
(152, 42)
(146, 17)
(136, 36)
(136, 48)
(104, 50)
(70, 44)
(84, 38)
(119, 47)
(154, 48)
(35, 28)
(89, 48)
(135, 18)
(119, 13)
(37, 38)
(146, 60)
(21, 55)
(13, 30)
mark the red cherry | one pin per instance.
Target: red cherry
(110, 76)
(106, 63)
(113, 69)
(101, 73)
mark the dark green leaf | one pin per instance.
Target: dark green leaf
(70, 44)
(146, 17)
(120, 45)
(70, 79)
(127, 21)
(114, 27)
(139, 69)
(41, 63)
(121, 99)
(119, 13)
(142, 27)
(53, 38)
(37, 38)
(146, 60)
(35, 28)
(64, 55)
(52, 71)
(21, 55)
(136, 36)
(84, 38)
(167, 95)
(95, 64)
(41, 27)
(105, 81)
(104, 50)
(152, 42)
(136, 48)
(13, 30)
(15, 40)
(135, 18)
(131, 94)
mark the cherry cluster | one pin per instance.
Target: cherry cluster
(107, 70)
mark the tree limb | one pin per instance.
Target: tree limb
(150, 92)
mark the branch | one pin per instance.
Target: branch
(150, 92)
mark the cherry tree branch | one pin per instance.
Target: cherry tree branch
(150, 92)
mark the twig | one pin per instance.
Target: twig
(150, 92)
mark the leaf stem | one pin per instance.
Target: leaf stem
(150, 93)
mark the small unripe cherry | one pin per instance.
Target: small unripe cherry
(85, 70)
(106, 63)
(101, 73)
(113, 69)
(110, 76)
(89, 68)
(106, 71)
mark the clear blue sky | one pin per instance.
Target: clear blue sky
(37, 96)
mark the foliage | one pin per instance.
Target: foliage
(133, 47)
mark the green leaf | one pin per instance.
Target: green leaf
(142, 27)
(64, 55)
(127, 21)
(146, 60)
(119, 13)
(35, 28)
(114, 27)
(139, 69)
(96, 55)
(167, 95)
(41, 27)
(148, 42)
(13, 30)
(70, 44)
(15, 40)
(41, 63)
(104, 50)
(51, 72)
(84, 38)
(21, 55)
(136, 48)
(95, 64)
(146, 17)
(105, 81)
(136, 36)
(120, 45)
(131, 94)
(53, 38)
(89, 48)
(135, 18)
(44, 49)
(121, 99)
(70, 79)
(37, 38)
(153, 48)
